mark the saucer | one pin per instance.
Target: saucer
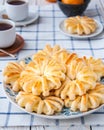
(18, 44)
(30, 19)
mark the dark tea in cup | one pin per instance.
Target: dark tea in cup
(5, 26)
(16, 2)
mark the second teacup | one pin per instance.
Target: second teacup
(17, 10)
(7, 33)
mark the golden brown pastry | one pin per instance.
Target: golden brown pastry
(40, 77)
(55, 53)
(70, 58)
(49, 105)
(96, 65)
(58, 92)
(12, 73)
(80, 25)
(91, 100)
(53, 76)
(82, 78)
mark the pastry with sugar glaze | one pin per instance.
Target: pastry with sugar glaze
(81, 79)
(96, 65)
(80, 25)
(12, 73)
(48, 105)
(56, 53)
(91, 100)
(40, 77)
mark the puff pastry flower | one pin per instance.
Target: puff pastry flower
(80, 25)
(48, 106)
(55, 53)
(82, 79)
(91, 100)
(96, 65)
(12, 73)
(40, 77)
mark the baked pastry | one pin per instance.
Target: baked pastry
(70, 58)
(78, 70)
(91, 100)
(55, 76)
(48, 105)
(80, 25)
(55, 53)
(82, 79)
(58, 92)
(96, 65)
(40, 77)
(12, 73)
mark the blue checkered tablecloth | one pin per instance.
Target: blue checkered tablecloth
(46, 31)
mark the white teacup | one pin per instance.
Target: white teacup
(7, 33)
(17, 10)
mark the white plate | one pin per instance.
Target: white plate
(64, 114)
(30, 19)
(98, 31)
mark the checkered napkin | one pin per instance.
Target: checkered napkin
(46, 30)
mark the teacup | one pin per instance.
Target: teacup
(7, 33)
(17, 10)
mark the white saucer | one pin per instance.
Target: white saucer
(31, 18)
(98, 31)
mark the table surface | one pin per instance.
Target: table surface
(43, 127)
